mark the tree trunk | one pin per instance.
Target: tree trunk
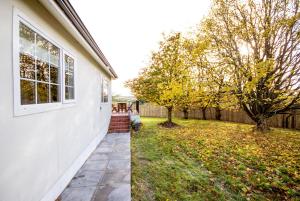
(261, 125)
(169, 114)
(218, 113)
(203, 113)
(185, 113)
(261, 122)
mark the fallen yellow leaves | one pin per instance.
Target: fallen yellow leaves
(261, 162)
(249, 165)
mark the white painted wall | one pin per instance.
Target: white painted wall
(37, 150)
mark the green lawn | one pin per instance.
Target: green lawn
(211, 160)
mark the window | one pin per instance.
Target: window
(39, 68)
(69, 77)
(104, 91)
(44, 75)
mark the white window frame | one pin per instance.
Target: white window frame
(20, 109)
(108, 90)
(64, 100)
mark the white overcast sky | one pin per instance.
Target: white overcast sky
(128, 30)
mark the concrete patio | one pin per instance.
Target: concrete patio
(105, 176)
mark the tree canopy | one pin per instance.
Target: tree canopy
(164, 81)
(245, 54)
(259, 42)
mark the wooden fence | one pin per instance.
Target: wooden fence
(279, 121)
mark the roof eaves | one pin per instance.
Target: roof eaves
(70, 12)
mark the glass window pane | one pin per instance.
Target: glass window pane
(71, 64)
(69, 79)
(26, 39)
(105, 99)
(40, 62)
(27, 67)
(54, 54)
(54, 90)
(42, 69)
(104, 95)
(105, 91)
(69, 93)
(54, 74)
(42, 93)
(27, 92)
(42, 48)
(69, 71)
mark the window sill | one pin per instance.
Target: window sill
(67, 102)
(23, 110)
(104, 103)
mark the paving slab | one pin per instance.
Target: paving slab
(120, 155)
(106, 174)
(116, 164)
(113, 192)
(116, 177)
(121, 147)
(93, 165)
(99, 156)
(78, 194)
(86, 178)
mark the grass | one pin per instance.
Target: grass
(212, 160)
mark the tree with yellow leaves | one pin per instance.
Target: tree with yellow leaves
(165, 80)
(259, 41)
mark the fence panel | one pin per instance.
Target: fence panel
(279, 121)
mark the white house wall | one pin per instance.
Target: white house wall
(37, 150)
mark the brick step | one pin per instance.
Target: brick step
(122, 126)
(112, 119)
(126, 121)
(119, 131)
(116, 129)
(122, 117)
(118, 123)
(119, 127)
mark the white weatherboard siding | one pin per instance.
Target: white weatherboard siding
(38, 150)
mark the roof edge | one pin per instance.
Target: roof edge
(66, 7)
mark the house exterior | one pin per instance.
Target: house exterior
(55, 102)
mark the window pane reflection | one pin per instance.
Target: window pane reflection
(104, 95)
(27, 67)
(42, 48)
(42, 93)
(27, 38)
(69, 77)
(42, 69)
(27, 92)
(54, 90)
(54, 74)
(69, 93)
(39, 62)
(54, 55)
(69, 71)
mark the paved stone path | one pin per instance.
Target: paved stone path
(105, 176)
